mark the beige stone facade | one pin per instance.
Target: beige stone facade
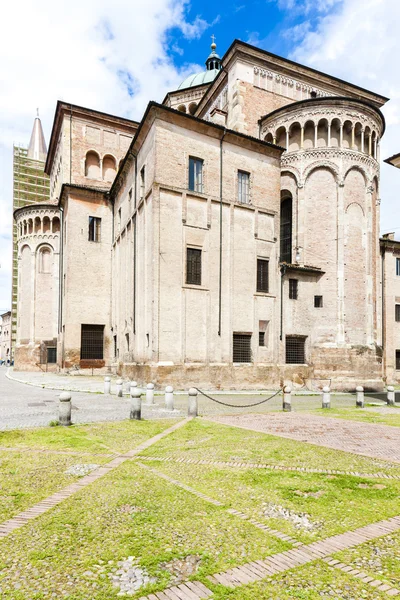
(5, 337)
(231, 239)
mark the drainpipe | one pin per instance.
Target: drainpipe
(383, 311)
(61, 271)
(134, 251)
(220, 234)
(283, 271)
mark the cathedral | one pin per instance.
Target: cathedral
(230, 239)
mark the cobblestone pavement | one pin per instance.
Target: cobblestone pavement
(367, 439)
(28, 406)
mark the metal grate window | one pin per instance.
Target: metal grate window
(398, 266)
(293, 289)
(286, 230)
(397, 312)
(295, 350)
(397, 360)
(262, 275)
(243, 187)
(115, 347)
(51, 355)
(193, 266)
(318, 302)
(242, 347)
(92, 342)
(195, 174)
(94, 229)
(261, 338)
(142, 182)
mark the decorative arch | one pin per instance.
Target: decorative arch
(109, 167)
(182, 108)
(292, 171)
(192, 108)
(329, 166)
(269, 138)
(44, 256)
(356, 168)
(92, 165)
(24, 247)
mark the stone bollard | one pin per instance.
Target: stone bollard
(64, 409)
(150, 393)
(107, 385)
(119, 388)
(326, 397)
(390, 395)
(133, 386)
(287, 398)
(360, 396)
(136, 404)
(169, 397)
(192, 405)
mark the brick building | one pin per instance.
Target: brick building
(229, 239)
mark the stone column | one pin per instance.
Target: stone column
(287, 140)
(302, 137)
(316, 135)
(353, 141)
(362, 140)
(341, 136)
(329, 135)
(340, 264)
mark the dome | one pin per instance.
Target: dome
(199, 78)
(213, 64)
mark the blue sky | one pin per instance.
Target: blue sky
(117, 56)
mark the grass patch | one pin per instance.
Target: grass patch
(379, 558)
(364, 415)
(96, 437)
(319, 506)
(306, 583)
(70, 548)
(28, 477)
(203, 440)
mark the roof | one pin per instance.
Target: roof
(393, 160)
(199, 79)
(37, 149)
(35, 206)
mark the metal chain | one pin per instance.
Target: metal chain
(235, 405)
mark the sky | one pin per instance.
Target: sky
(117, 56)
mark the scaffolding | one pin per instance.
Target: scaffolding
(30, 186)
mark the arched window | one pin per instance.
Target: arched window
(38, 224)
(46, 225)
(56, 225)
(192, 108)
(45, 260)
(92, 165)
(182, 108)
(109, 168)
(286, 230)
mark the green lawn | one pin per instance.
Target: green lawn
(96, 437)
(203, 440)
(130, 512)
(369, 414)
(311, 582)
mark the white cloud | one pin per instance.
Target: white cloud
(94, 53)
(359, 43)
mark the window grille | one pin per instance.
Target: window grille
(397, 360)
(295, 350)
(286, 230)
(92, 342)
(51, 355)
(261, 338)
(318, 302)
(142, 182)
(397, 312)
(193, 266)
(115, 347)
(243, 187)
(293, 289)
(94, 229)
(262, 275)
(398, 266)
(195, 174)
(127, 341)
(242, 347)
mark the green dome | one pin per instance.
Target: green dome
(199, 79)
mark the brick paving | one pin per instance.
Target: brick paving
(366, 439)
(283, 561)
(376, 583)
(252, 465)
(41, 507)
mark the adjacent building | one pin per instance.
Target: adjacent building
(5, 338)
(229, 239)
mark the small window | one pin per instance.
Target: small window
(318, 302)
(45, 260)
(92, 342)
(295, 350)
(397, 360)
(243, 187)
(94, 229)
(127, 341)
(115, 347)
(397, 312)
(142, 182)
(130, 195)
(242, 347)
(293, 289)
(193, 266)
(262, 275)
(119, 218)
(51, 355)
(398, 266)
(261, 338)
(195, 174)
